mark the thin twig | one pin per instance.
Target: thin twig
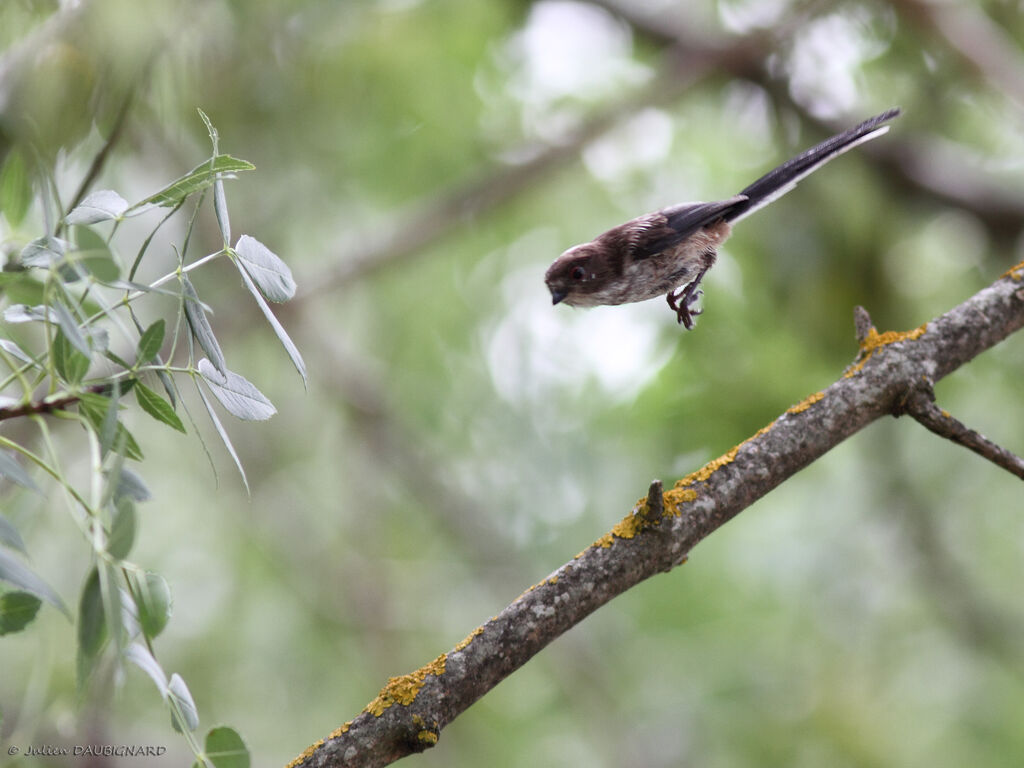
(38, 406)
(920, 404)
(49, 405)
(654, 506)
(862, 324)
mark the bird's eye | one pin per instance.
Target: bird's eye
(577, 272)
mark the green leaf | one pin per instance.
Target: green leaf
(150, 343)
(22, 313)
(13, 471)
(95, 409)
(236, 394)
(102, 205)
(15, 188)
(69, 325)
(131, 485)
(140, 656)
(17, 609)
(153, 601)
(113, 603)
(71, 364)
(222, 433)
(20, 575)
(220, 207)
(121, 386)
(43, 252)
(282, 335)
(14, 350)
(272, 275)
(95, 256)
(168, 384)
(10, 537)
(117, 359)
(200, 326)
(181, 696)
(225, 748)
(209, 127)
(92, 623)
(108, 427)
(165, 380)
(157, 407)
(22, 288)
(122, 528)
(200, 177)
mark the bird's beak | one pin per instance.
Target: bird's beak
(557, 296)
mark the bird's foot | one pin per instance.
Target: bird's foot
(682, 300)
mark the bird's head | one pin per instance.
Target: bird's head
(577, 275)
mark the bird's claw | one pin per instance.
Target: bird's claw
(682, 300)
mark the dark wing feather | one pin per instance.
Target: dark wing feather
(668, 227)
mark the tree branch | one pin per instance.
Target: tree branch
(410, 711)
(920, 403)
(48, 404)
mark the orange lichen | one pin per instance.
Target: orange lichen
(705, 472)
(806, 403)
(341, 729)
(527, 591)
(708, 469)
(629, 526)
(675, 498)
(875, 341)
(469, 638)
(308, 753)
(426, 735)
(639, 519)
(403, 690)
(1016, 272)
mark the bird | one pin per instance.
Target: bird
(668, 252)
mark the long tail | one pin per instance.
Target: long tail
(778, 182)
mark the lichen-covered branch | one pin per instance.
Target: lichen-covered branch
(410, 712)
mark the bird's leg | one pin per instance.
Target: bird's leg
(681, 300)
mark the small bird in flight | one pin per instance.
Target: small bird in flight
(669, 251)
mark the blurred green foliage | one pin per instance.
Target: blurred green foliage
(461, 438)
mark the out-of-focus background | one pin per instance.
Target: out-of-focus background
(419, 164)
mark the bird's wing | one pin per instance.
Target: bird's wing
(656, 232)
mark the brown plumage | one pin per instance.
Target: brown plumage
(668, 252)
